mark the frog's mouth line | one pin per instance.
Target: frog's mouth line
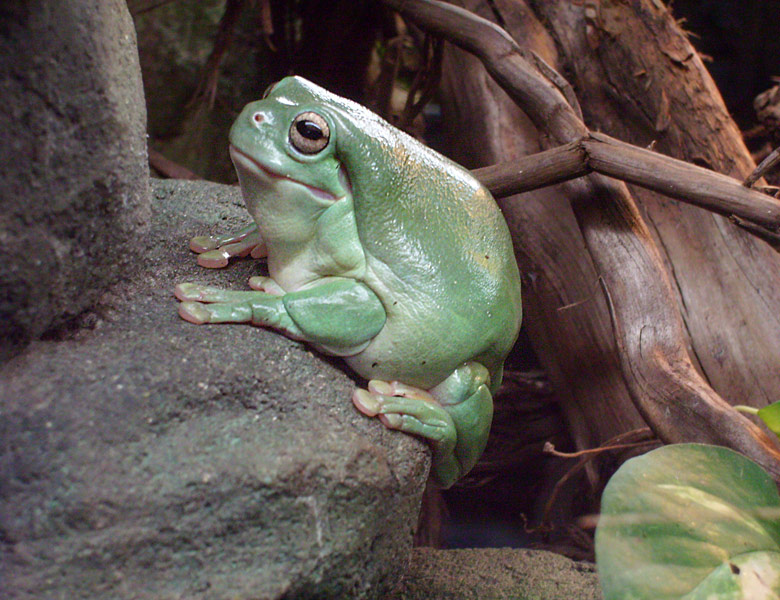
(241, 156)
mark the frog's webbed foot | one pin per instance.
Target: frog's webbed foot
(406, 408)
(454, 416)
(206, 304)
(215, 251)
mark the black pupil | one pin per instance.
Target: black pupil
(309, 130)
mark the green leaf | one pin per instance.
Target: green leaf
(754, 576)
(689, 521)
(771, 416)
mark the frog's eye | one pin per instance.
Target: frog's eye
(309, 133)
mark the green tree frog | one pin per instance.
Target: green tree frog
(379, 250)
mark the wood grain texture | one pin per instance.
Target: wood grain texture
(641, 80)
(565, 314)
(599, 153)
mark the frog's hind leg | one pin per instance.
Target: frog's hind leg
(454, 416)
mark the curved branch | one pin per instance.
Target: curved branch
(665, 387)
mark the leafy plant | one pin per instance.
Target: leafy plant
(770, 415)
(692, 522)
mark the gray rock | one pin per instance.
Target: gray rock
(152, 458)
(73, 167)
(497, 574)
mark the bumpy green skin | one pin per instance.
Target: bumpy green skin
(381, 251)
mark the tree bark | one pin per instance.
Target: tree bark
(641, 80)
(565, 314)
(677, 179)
(567, 317)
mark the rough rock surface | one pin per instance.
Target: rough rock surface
(152, 458)
(73, 168)
(497, 574)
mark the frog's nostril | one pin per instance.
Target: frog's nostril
(258, 117)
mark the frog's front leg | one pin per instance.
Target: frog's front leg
(205, 304)
(339, 314)
(454, 416)
(214, 251)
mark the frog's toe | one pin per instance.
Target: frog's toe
(366, 402)
(192, 292)
(418, 414)
(187, 292)
(203, 243)
(396, 388)
(213, 259)
(194, 312)
(379, 398)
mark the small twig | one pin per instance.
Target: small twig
(616, 443)
(168, 168)
(427, 80)
(759, 130)
(549, 448)
(382, 88)
(769, 163)
(556, 79)
(267, 23)
(770, 237)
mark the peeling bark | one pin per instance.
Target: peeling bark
(639, 79)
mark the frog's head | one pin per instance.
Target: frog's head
(288, 149)
(285, 145)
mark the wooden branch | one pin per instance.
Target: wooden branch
(679, 179)
(556, 165)
(769, 163)
(600, 153)
(168, 168)
(769, 236)
(665, 387)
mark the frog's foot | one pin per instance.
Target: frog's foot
(224, 306)
(382, 397)
(214, 251)
(206, 304)
(454, 416)
(411, 410)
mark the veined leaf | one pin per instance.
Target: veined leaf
(689, 521)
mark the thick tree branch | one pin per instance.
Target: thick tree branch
(669, 393)
(599, 153)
